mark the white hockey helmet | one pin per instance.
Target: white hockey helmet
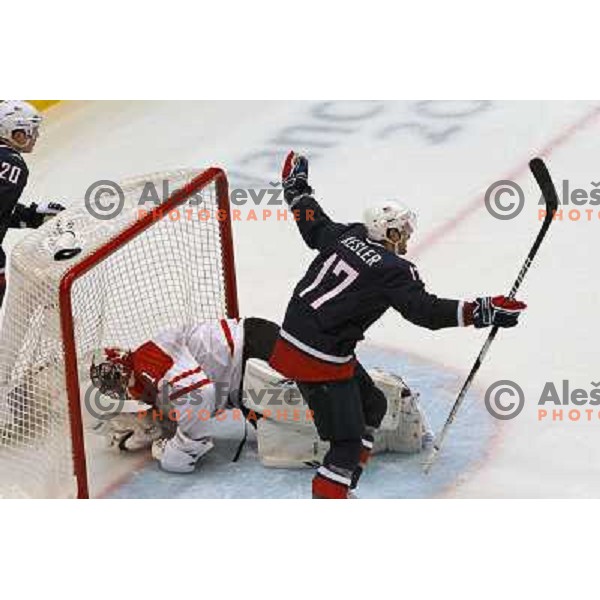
(18, 115)
(382, 217)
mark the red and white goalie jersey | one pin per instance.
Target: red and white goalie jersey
(178, 362)
(191, 373)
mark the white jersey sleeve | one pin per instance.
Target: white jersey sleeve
(166, 368)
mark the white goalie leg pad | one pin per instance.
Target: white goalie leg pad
(287, 436)
(288, 446)
(269, 393)
(404, 428)
(132, 429)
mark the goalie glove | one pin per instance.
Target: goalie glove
(490, 311)
(294, 177)
(129, 432)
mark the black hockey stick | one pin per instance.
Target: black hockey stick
(542, 176)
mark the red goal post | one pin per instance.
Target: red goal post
(139, 273)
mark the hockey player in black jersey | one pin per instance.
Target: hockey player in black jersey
(358, 274)
(19, 127)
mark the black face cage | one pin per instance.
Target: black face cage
(110, 379)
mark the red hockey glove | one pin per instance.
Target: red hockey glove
(499, 310)
(294, 178)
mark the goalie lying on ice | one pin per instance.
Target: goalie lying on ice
(196, 373)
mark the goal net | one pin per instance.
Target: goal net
(89, 279)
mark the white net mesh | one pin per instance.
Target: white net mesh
(173, 272)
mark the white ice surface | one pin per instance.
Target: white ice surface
(437, 157)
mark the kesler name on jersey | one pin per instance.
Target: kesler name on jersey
(363, 250)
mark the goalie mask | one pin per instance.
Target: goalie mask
(391, 222)
(111, 376)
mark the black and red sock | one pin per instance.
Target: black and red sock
(331, 483)
(366, 452)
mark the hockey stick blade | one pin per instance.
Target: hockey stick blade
(544, 181)
(542, 176)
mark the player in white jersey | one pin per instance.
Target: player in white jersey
(191, 372)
